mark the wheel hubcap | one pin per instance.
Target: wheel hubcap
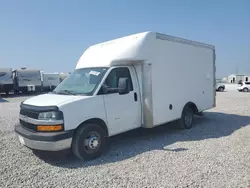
(92, 142)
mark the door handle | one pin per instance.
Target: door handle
(135, 96)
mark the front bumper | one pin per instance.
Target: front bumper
(44, 141)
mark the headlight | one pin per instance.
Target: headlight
(51, 115)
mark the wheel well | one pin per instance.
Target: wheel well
(221, 87)
(97, 121)
(192, 106)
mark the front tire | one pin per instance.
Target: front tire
(89, 142)
(221, 89)
(245, 89)
(186, 121)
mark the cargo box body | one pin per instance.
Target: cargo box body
(175, 73)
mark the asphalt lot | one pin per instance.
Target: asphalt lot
(214, 153)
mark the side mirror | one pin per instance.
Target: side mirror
(123, 86)
(104, 89)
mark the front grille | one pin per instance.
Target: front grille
(28, 125)
(28, 113)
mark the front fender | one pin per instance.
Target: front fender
(77, 112)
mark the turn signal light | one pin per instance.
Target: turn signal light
(49, 128)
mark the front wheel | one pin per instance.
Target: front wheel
(89, 142)
(221, 89)
(186, 121)
(245, 89)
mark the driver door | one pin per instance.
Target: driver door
(123, 111)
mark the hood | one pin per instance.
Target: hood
(52, 99)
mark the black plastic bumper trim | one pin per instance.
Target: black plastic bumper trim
(43, 136)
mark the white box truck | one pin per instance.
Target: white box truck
(142, 80)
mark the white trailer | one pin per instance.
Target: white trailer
(50, 81)
(6, 80)
(122, 85)
(63, 76)
(27, 80)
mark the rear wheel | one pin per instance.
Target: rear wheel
(245, 89)
(186, 121)
(89, 142)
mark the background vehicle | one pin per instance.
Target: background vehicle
(63, 76)
(50, 81)
(244, 87)
(220, 87)
(118, 86)
(27, 80)
(6, 80)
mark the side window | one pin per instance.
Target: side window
(113, 79)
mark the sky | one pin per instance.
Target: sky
(52, 35)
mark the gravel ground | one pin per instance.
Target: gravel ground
(214, 153)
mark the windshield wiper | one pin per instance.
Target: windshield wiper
(67, 92)
(64, 92)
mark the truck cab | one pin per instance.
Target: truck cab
(105, 97)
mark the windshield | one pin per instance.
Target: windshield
(29, 75)
(5, 75)
(81, 81)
